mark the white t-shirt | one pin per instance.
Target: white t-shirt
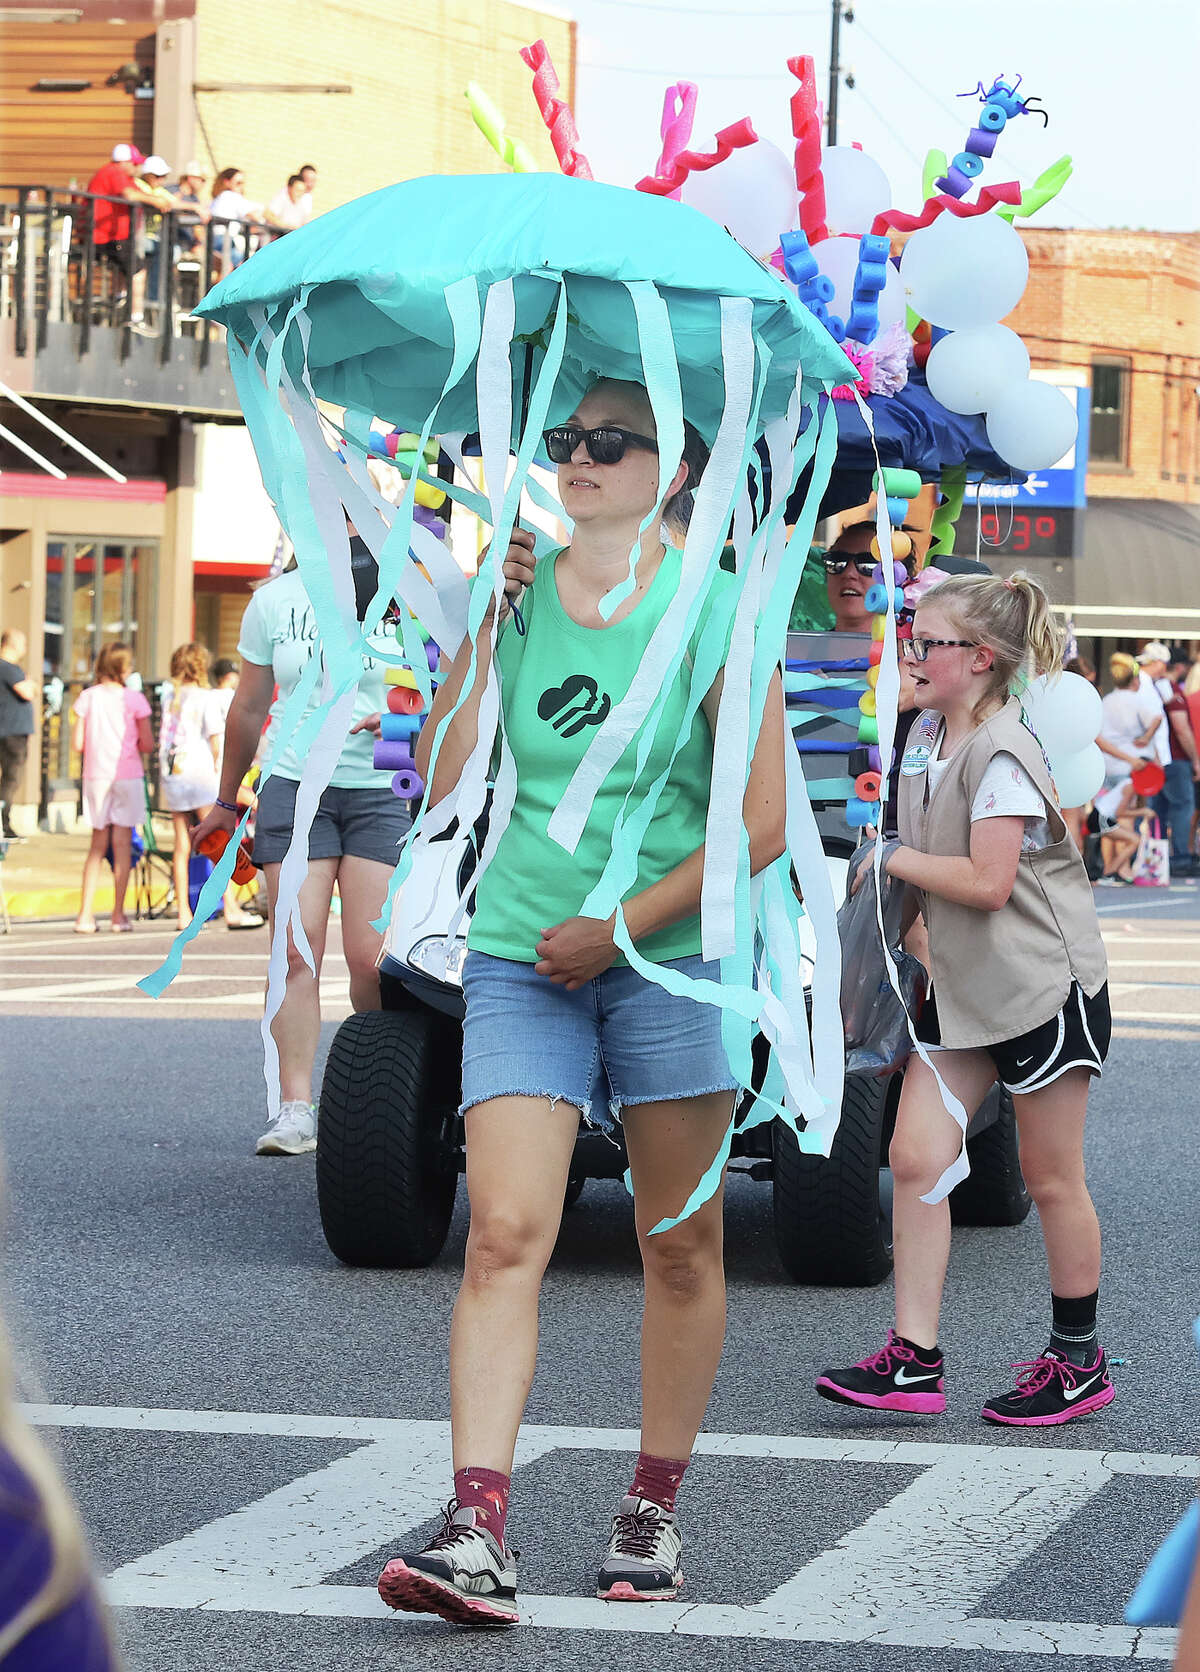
(1156, 692)
(278, 632)
(231, 206)
(1127, 715)
(288, 213)
(1005, 791)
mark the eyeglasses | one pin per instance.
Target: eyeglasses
(838, 565)
(605, 445)
(919, 649)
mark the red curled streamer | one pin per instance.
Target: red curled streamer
(896, 220)
(694, 162)
(806, 126)
(555, 112)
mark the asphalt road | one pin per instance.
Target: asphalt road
(250, 1428)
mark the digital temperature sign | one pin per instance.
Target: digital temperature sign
(1048, 532)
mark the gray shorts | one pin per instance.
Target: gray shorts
(367, 823)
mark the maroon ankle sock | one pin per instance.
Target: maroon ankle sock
(486, 1492)
(658, 1478)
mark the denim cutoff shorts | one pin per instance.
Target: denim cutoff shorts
(618, 1040)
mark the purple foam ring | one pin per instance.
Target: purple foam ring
(408, 784)
(954, 183)
(431, 655)
(393, 757)
(899, 572)
(874, 758)
(981, 142)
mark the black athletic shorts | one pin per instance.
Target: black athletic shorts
(1078, 1037)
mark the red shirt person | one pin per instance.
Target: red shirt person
(110, 225)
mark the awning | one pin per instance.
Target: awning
(1139, 576)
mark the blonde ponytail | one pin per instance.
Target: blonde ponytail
(1012, 618)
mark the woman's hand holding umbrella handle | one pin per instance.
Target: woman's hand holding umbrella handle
(519, 565)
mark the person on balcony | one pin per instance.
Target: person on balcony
(111, 219)
(234, 213)
(290, 207)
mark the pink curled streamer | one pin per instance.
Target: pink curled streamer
(898, 220)
(694, 162)
(806, 126)
(555, 112)
(675, 129)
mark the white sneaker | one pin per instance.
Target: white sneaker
(643, 1562)
(292, 1132)
(463, 1574)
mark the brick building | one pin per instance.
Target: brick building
(1121, 310)
(368, 92)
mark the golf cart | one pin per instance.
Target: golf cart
(390, 1141)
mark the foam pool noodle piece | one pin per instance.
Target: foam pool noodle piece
(866, 706)
(877, 628)
(898, 483)
(408, 783)
(402, 677)
(867, 786)
(897, 510)
(733, 138)
(873, 676)
(868, 729)
(392, 757)
(981, 142)
(952, 488)
(806, 129)
(869, 278)
(966, 162)
(555, 112)
(432, 655)
(490, 123)
(396, 728)
(875, 654)
(860, 813)
(404, 699)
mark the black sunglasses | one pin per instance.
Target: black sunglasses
(837, 565)
(605, 445)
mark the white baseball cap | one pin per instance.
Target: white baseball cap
(126, 154)
(156, 165)
(1155, 651)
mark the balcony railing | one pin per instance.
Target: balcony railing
(63, 295)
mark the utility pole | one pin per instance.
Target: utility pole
(835, 73)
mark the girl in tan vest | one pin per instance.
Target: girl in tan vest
(1018, 994)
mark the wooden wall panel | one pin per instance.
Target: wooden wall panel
(60, 139)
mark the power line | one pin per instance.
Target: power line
(887, 126)
(786, 14)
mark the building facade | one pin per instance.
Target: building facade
(1118, 312)
(369, 95)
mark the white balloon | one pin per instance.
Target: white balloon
(838, 260)
(1064, 710)
(962, 271)
(1032, 425)
(856, 189)
(753, 193)
(1077, 777)
(968, 370)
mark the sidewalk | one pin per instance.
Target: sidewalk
(41, 876)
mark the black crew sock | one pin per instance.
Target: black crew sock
(1073, 1333)
(923, 1355)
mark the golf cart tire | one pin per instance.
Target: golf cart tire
(387, 1171)
(994, 1192)
(829, 1225)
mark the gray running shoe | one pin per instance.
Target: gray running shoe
(464, 1574)
(292, 1132)
(642, 1563)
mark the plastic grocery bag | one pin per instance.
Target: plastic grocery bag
(1152, 862)
(873, 1015)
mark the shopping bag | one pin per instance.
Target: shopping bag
(873, 1013)
(1152, 863)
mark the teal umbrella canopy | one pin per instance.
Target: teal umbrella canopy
(372, 277)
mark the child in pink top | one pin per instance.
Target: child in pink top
(112, 733)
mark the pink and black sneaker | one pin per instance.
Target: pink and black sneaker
(1050, 1390)
(894, 1379)
(463, 1574)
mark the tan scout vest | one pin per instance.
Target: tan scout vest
(997, 974)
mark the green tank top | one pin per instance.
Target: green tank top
(559, 681)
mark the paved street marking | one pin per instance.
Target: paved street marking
(910, 1575)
